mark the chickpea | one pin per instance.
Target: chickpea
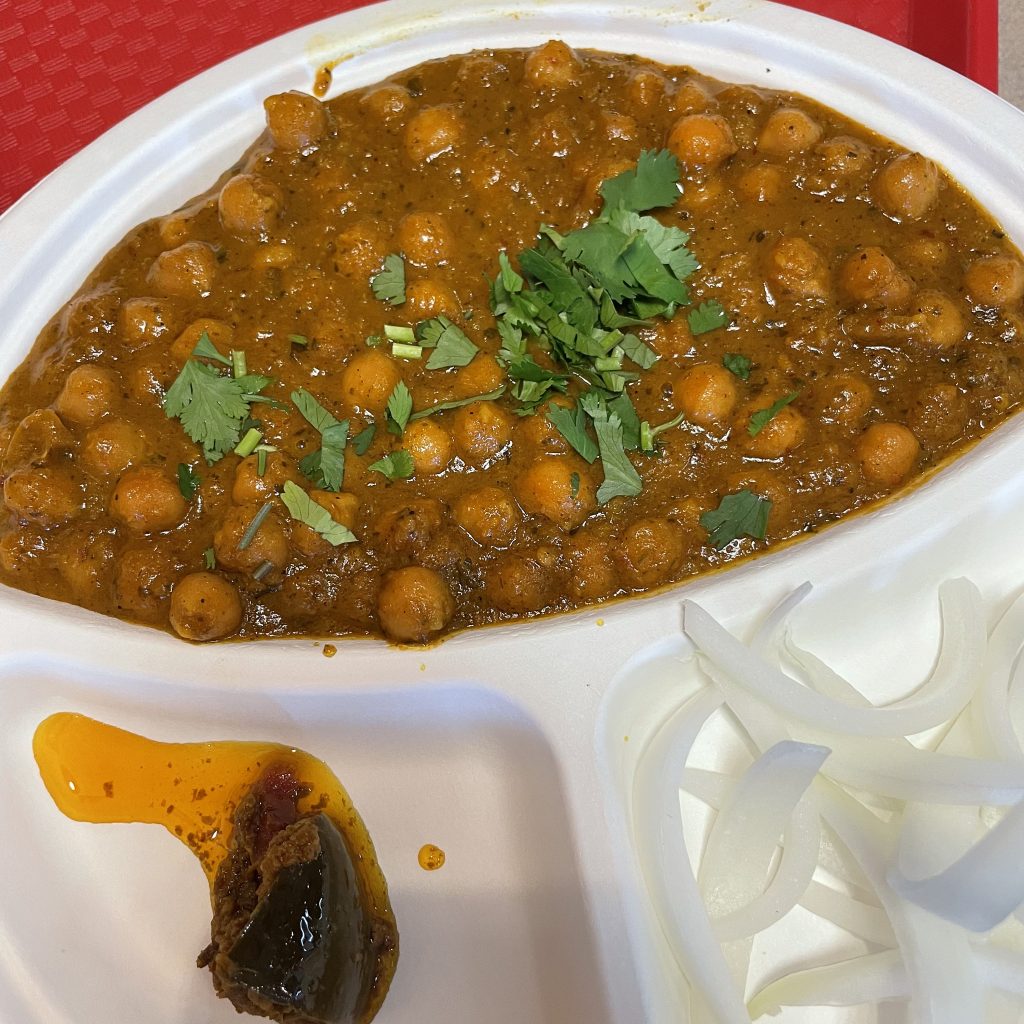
(489, 515)
(618, 127)
(147, 500)
(34, 439)
(428, 297)
(45, 494)
(762, 183)
(706, 394)
(249, 206)
(482, 375)
(939, 415)
(481, 432)
(147, 377)
(936, 320)
(296, 120)
(343, 506)
(414, 605)
(110, 448)
(552, 66)
(205, 606)
(186, 271)
(92, 315)
(433, 132)
(593, 574)
(368, 380)
(273, 254)
(647, 88)
(796, 270)
(765, 484)
(650, 552)
(519, 581)
(177, 227)
(907, 187)
(87, 395)
(887, 453)
(249, 487)
(430, 446)
(780, 435)
(691, 97)
(995, 281)
(84, 560)
(490, 168)
(360, 250)
(788, 130)
(388, 102)
(559, 489)
(702, 141)
(221, 335)
(926, 253)
(845, 157)
(845, 398)
(142, 321)
(411, 528)
(538, 433)
(425, 238)
(269, 543)
(870, 276)
(143, 581)
(553, 134)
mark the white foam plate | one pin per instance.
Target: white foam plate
(506, 747)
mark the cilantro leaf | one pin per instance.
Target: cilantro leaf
(389, 284)
(362, 441)
(451, 346)
(397, 465)
(652, 183)
(188, 481)
(620, 476)
(641, 354)
(738, 365)
(533, 382)
(210, 558)
(623, 408)
(205, 349)
(572, 425)
(400, 405)
(210, 407)
(513, 345)
(708, 316)
(760, 419)
(325, 467)
(457, 403)
(304, 509)
(743, 514)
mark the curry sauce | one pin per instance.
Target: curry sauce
(408, 453)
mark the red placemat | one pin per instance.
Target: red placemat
(69, 69)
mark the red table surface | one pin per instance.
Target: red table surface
(70, 69)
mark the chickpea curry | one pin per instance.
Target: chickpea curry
(510, 333)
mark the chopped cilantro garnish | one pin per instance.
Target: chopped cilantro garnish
(262, 569)
(239, 365)
(209, 558)
(737, 364)
(402, 351)
(450, 344)
(248, 444)
(325, 467)
(257, 522)
(653, 183)
(533, 382)
(572, 425)
(620, 476)
(261, 461)
(211, 407)
(649, 433)
(641, 354)
(362, 441)
(397, 465)
(400, 406)
(298, 339)
(188, 481)
(708, 316)
(205, 349)
(458, 403)
(760, 419)
(304, 509)
(394, 332)
(574, 485)
(375, 340)
(743, 514)
(389, 284)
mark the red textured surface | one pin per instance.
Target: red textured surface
(70, 69)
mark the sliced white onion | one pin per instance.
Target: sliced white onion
(665, 862)
(741, 847)
(944, 694)
(767, 633)
(944, 984)
(713, 788)
(991, 704)
(983, 887)
(864, 920)
(874, 978)
(793, 875)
